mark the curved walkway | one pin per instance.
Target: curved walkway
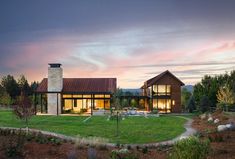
(188, 126)
(189, 132)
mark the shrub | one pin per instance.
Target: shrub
(155, 111)
(121, 153)
(83, 110)
(14, 148)
(190, 148)
(215, 137)
(145, 150)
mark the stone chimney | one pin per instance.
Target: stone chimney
(55, 86)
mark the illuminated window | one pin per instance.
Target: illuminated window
(77, 96)
(107, 95)
(107, 103)
(87, 103)
(163, 105)
(78, 104)
(67, 95)
(155, 88)
(168, 89)
(161, 90)
(99, 103)
(99, 96)
(154, 103)
(68, 104)
(87, 96)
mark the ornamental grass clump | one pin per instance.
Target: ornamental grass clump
(90, 141)
(190, 148)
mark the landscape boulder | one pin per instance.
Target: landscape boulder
(210, 119)
(216, 121)
(221, 128)
(230, 126)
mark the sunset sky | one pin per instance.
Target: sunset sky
(131, 40)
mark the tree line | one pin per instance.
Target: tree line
(11, 89)
(210, 93)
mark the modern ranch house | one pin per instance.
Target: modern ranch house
(58, 95)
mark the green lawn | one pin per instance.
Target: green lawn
(132, 129)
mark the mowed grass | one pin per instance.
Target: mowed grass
(132, 129)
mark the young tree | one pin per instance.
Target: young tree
(5, 99)
(116, 103)
(225, 96)
(24, 109)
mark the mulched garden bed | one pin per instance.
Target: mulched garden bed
(222, 143)
(38, 147)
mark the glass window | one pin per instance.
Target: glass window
(87, 96)
(161, 88)
(99, 104)
(77, 96)
(67, 95)
(164, 105)
(87, 103)
(99, 96)
(107, 103)
(78, 105)
(155, 88)
(68, 104)
(107, 96)
(168, 89)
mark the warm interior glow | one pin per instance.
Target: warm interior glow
(163, 105)
(77, 96)
(99, 104)
(68, 104)
(99, 96)
(107, 96)
(87, 96)
(161, 89)
(67, 96)
(107, 103)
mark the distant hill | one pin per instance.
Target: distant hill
(189, 88)
(136, 91)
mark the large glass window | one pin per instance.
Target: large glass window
(68, 104)
(107, 103)
(99, 104)
(163, 105)
(160, 90)
(87, 103)
(77, 105)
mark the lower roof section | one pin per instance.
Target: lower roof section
(83, 85)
